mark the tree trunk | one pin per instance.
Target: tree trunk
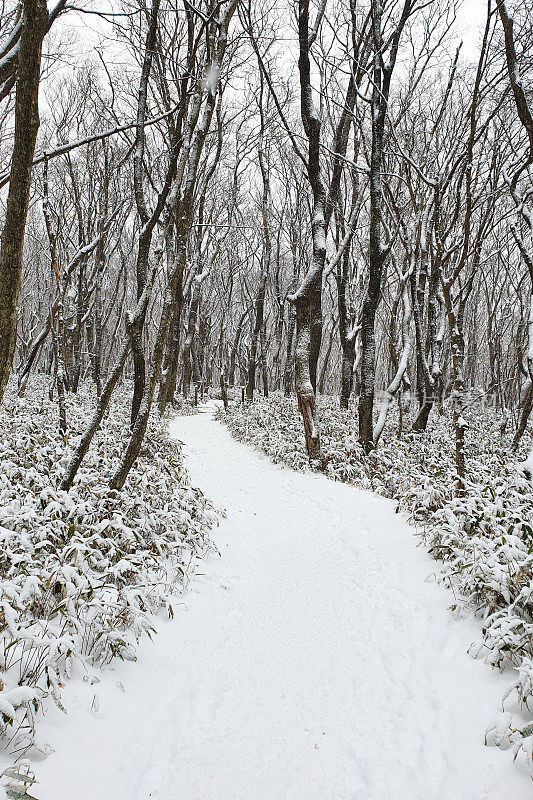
(167, 389)
(289, 358)
(254, 340)
(145, 238)
(235, 346)
(527, 400)
(382, 71)
(35, 19)
(376, 257)
(223, 389)
(304, 388)
(188, 355)
(258, 331)
(347, 331)
(307, 299)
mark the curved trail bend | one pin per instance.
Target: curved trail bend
(311, 661)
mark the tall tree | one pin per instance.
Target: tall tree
(34, 25)
(522, 202)
(385, 53)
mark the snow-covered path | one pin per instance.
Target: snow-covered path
(312, 661)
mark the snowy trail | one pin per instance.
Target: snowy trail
(312, 661)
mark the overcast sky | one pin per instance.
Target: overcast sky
(470, 24)
(90, 29)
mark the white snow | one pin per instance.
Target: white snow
(527, 465)
(311, 661)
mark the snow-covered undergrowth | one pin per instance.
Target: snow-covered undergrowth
(82, 573)
(483, 539)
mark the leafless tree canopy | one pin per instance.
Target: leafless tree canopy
(327, 197)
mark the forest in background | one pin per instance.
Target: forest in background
(328, 199)
(339, 201)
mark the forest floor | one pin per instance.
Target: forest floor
(312, 660)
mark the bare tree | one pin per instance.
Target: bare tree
(33, 27)
(385, 53)
(525, 116)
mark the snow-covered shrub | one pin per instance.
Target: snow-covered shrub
(483, 538)
(18, 780)
(81, 573)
